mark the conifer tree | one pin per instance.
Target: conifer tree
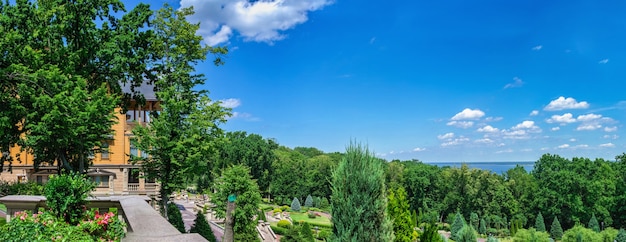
(556, 232)
(306, 233)
(621, 236)
(295, 204)
(466, 234)
(474, 221)
(482, 228)
(359, 198)
(202, 227)
(492, 239)
(539, 223)
(593, 223)
(456, 226)
(308, 202)
(175, 218)
(398, 209)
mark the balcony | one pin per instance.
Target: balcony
(146, 189)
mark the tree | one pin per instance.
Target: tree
(593, 223)
(308, 202)
(621, 236)
(466, 234)
(398, 210)
(482, 228)
(359, 201)
(456, 226)
(430, 233)
(236, 180)
(295, 205)
(66, 196)
(175, 218)
(202, 227)
(531, 235)
(539, 224)
(556, 232)
(181, 138)
(474, 221)
(306, 233)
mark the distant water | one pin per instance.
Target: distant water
(497, 167)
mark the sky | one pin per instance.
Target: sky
(429, 80)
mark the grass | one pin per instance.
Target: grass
(3, 207)
(320, 220)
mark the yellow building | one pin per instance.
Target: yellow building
(111, 170)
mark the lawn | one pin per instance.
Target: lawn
(320, 220)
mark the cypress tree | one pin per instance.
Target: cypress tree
(593, 223)
(202, 227)
(175, 218)
(456, 226)
(621, 236)
(308, 202)
(482, 228)
(474, 221)
(539, 223)
(295, 204)
(359, 198)
(306, 233)
(398, 209)
(556, 232)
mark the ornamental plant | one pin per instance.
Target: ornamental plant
(66, 194)
(308, 202)
(295, 205)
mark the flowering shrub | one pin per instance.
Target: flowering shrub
(103, 226)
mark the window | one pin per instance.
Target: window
(104, 151)
(39, 180)
(101, 181)
(147, 117)
(133, 176)
(130, 116)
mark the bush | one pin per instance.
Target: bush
(306, 233)
(580, 233)
(277, 210)
(278, 230)
(283, 223)
(202, 227)
(324, 203)
(175, 218)
(504, 232)
(608, 234)
(492, 239)
(324, 235)
(492, 231)
(482, 228)
(466, 234)
(621, 236)
(295, 204)
(524, 235)
(285, 208)
(430, 233)
(308, 202)
(311, 215)
(66, 194)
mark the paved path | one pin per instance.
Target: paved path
(188, 214)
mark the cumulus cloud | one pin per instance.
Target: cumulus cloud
(563, 146)
(488, 129)
(603, 61)
(526, 125)
(461, 124)
(588, 117)
(484, 141)
(493, 119)
(572, 140)
(555, 128)
(589, 126)
(610, 129)
(581, 146)
(607, 145)
(418, 149)
(562, 103)
(538, 47)
(606, 136)
(534, 113)
(230, 103)
(522, 130)
(469, 114)
(562, 119)
(517, 82)
(456, 141)
(446, 136)
(261, 21)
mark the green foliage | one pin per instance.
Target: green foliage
(456, 226)
(359, 198)
(578, 233)
(430, 233)
(531, 235)
(492, 239)
(539, 223)
(202, 227)
(466, 234)
(237, 180)
(324, 235)
(556, 232)
(609, 234)
(482, 228)
(306, 233)
(175, 217)
(324, 203)
(398, 210)
(317, 202)
(277, 210)
(308, 202)
(17, 188)
(593, 223)
(279, 230)
(621, 236)
(261, 215)
(295, 204)
(474, 221)
(292, 235)
(66, 194)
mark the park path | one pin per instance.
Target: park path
(187, 211)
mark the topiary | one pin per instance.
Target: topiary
(309, 201)
(295, 205)
(202, 227)
(283, 223)
(175, 218)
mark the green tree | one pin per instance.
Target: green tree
(295, 205)
(175, 217)
(621, 236)
(61, 72)
(556, 232)
(466, 234)
(456, 226)
(482, 228)
(238, 181)
(430, 233)
(202, 227)
(398, 210)
(593, 223)
(66, 196)
(580, 233)
(474, 221)
(182, 137)
(308, 202)
(539, 223)
(492, 239)
(531, 235)
(359, 201)
(306, 233)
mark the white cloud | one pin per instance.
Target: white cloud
(484, 141)
(562, 103)
(456, 141)
(534, 113)
(562, 119)
(530, 125)
(538, 47)
(488, 129)
(590, 126)
(461, 124)
(517, 82)
(521, 130)
(610, 129)
(563, 146)
(606, 136)
(588, 117)
(603, 61)
(230, 103)
(418, 149)
(446, 136)
(261, 21)
(504, 151)
(467, 113)
(493, 119)
(572, 140)
(555, 128)
(607, 145)
(581, 146)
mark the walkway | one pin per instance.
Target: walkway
(188, 214)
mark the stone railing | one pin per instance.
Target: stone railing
(144, 223)
(133, 186)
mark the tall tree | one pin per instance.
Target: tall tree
(202, 227)
(593, 223)
(61, 66)
(400, 215)
(181, 138)
(456, 226)
(237, 181)
(359, 201)
(539, 223)
(556, 232)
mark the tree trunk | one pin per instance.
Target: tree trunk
(229, 233)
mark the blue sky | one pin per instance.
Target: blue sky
(428, 80)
